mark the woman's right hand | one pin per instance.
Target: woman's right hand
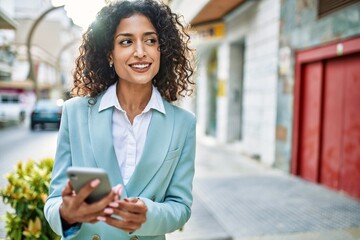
(74, 209)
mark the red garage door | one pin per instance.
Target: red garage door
(310, 122)
(326, 144)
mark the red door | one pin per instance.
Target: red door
(332, 123)
(350, 171)
(326, 144)
(311, 122)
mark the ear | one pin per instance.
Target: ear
(110, 59)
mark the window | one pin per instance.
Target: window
(326, 7)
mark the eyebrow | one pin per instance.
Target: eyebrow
(130, 35)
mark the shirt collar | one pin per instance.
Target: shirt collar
(110, 100)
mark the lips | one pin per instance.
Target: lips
(140, 67)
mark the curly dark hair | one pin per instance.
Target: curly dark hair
(92, 73)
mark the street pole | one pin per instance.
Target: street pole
(31, 75)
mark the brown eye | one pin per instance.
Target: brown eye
(151, 41)
(125, 42)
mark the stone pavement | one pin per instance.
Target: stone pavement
(238, 198)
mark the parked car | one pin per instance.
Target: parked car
(46, 112)
(11, 108)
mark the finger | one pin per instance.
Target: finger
(67, 189)
(114, 204)
(68, 183)
(118, 189)
(121, 224)
(100, 205)
(93, 216)
(87, 189)
(134, 206)
(86, 215)
(130, 216)
(131, 200)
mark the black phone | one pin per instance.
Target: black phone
(80, 176)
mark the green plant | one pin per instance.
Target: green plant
(26, 193)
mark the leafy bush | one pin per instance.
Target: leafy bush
(26, 193)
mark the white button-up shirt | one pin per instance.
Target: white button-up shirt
(129, 139)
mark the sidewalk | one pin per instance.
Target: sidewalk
(238, 198)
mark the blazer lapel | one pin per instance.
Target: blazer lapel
(156, 147)
(100, 131)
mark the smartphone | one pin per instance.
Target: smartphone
(80, 176)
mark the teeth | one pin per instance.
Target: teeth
(141, 66)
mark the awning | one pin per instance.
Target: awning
(215, 10)
(17, 85)
(6, 22)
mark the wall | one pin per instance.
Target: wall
(300, 29)
(246, 79)
(8, 7)
(258, 29)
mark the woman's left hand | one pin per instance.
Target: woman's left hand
(131, 210)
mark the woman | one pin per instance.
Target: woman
(133, 61)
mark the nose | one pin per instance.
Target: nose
(139, 50)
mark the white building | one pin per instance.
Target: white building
(53, 46)
(237, 44)
(7, 33)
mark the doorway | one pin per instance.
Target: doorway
(236, 91)
(212, 89)
(326, 143)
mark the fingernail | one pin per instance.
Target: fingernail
(118, 189)
(100, 218)
(95, 183)
(108, 211)
(114, 204)
(126, 200)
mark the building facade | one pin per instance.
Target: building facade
(52, 45)
(319, 93)
(275, 77)
(43, 35)
(8, 27)
(237, 54)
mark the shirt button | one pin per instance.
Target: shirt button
(95, 237)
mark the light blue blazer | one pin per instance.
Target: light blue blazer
(162, 179)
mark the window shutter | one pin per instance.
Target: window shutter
(328, 6)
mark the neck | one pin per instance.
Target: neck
(133, 98)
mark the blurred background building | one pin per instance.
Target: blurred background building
(279, 80)
(51, 36)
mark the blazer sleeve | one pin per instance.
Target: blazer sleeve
(175, 211)
(59, 178)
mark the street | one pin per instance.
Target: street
(18, 143)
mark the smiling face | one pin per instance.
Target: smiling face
(136, 54)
